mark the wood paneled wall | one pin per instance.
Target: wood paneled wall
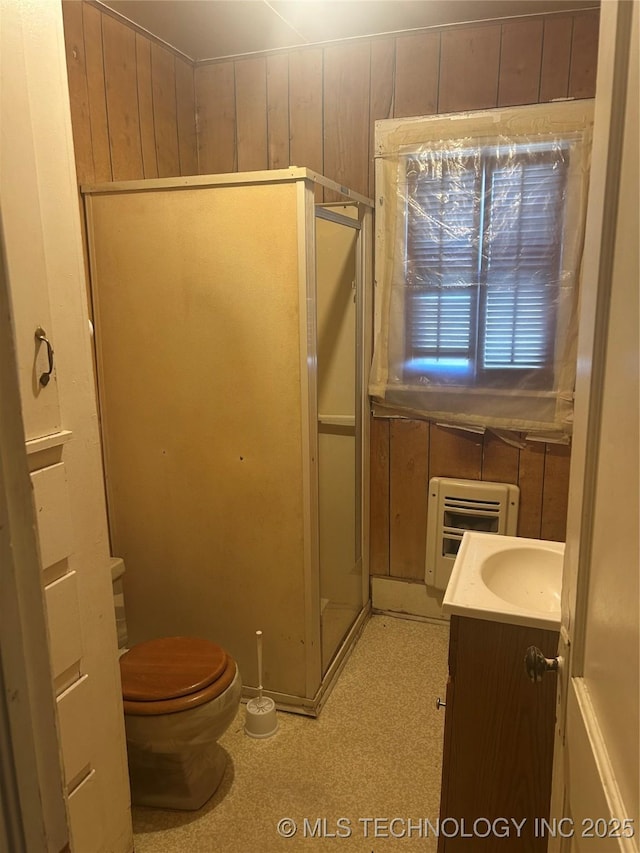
(139, 110)
(405, 455)
(132, 100)
(317, 106)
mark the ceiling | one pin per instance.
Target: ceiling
(210, 29)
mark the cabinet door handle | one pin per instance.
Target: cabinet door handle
(536, 664)
(440, 704)
(41, 336)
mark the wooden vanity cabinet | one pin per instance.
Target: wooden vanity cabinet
(498, 741)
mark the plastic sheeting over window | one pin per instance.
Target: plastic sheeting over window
(480, 219)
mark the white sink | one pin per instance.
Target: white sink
(507, 579)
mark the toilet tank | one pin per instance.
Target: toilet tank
(455, 506)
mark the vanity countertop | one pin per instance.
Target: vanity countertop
(507, 579)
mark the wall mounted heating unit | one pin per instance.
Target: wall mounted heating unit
(458, 505)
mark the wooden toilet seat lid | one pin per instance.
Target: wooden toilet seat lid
(170, 667)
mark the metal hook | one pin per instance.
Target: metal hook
(41, 335)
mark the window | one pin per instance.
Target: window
(483, 257)
(476, 265)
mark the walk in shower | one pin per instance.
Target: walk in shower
(232, 328)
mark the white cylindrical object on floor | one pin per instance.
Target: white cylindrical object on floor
(261, 720)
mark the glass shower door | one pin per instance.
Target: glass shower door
(339, 426)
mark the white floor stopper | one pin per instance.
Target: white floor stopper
(261, 719)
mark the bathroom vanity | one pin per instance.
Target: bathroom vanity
(499, 725)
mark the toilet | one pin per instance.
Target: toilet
(180, 694)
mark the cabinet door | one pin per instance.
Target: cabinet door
(498, 738)
(446, 756)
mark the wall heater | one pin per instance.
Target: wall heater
(458, 505)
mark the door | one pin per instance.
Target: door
(46, 288)
(339, 423)
(32, 810)
(595, 797)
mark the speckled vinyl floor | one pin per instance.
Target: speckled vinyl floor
(364, 776)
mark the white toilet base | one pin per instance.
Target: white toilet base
(175, 761)
(184, 780)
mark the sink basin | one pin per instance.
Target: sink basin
(507, 579)
(525, 576)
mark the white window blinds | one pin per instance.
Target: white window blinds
(483, 253)
(442, 260)
(526, 209)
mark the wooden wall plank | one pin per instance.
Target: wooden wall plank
(469, 65)
(278, 110)
(379, 505)
(251, 114)
(383, 60)
(455, 453)
(555, 493)
(500, 461)
(186, 117)
(520, 63)
(346, 115)
(584, 55)
(163, 85)
(122, 99)
(216, 118)
(94, 54)
(145, 107)
(409, 455)
(531, 481)
(556, 57)
(417, 70)
(78, 93)
(305, 108)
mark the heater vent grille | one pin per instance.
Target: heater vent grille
(458, 505)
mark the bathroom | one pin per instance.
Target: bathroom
(133, 113)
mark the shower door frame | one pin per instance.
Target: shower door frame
(318, 684)
(332, 212)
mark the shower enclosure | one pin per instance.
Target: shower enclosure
(232, 328)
